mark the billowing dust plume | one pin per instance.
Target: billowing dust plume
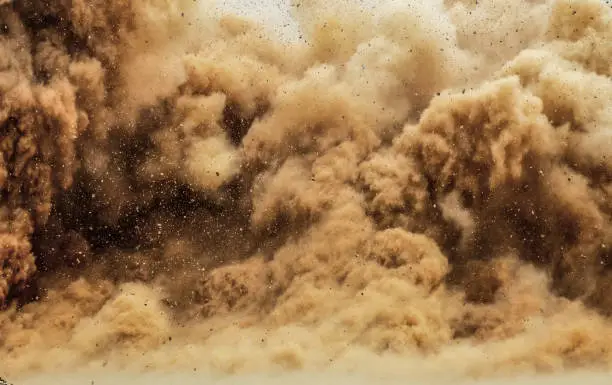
(426, 188)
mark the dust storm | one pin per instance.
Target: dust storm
(422, 190)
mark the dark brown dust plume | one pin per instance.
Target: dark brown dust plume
(402, 191)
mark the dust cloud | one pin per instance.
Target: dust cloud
(303, 378)
(419, 190)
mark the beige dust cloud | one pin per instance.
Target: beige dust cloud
(419, 191)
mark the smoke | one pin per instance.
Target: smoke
(397, 190)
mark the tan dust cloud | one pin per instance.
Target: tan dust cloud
(301, 378)
(401, 193)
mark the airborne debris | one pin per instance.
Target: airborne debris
(429, 180)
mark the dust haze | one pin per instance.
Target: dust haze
(301, 378)
(420, 191)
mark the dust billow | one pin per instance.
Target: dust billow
(399, 191)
